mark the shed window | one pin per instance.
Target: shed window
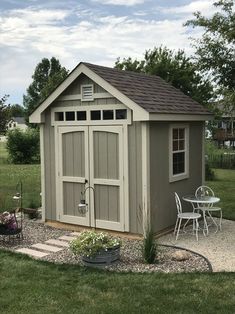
(81, 115)
(178, 152)
(70, 115)
(87, 92)
(121, 114)
(107, 114)
(59, 116)
(95, 115)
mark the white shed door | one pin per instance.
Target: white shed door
(95, 154)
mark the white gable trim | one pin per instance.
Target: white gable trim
(139, 114)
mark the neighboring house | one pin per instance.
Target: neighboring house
(17, 122)
(224, 134)
(131, 139)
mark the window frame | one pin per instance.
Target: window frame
(185, 174)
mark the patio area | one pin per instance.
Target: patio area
(218, 247)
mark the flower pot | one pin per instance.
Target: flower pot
(103, 257)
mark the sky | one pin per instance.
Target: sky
(95, 31)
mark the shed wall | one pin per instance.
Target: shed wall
(163, 210)
(135, 177)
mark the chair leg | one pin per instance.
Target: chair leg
(197, 227)
(214, 222)
(178, 229)
(220, 221)
(205, 223)
(176, 224)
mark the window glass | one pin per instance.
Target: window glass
(107, 114)
(81, 115)
(121, 114)
(70, 115)
(178, 163)
(59, 116)
(95, 115)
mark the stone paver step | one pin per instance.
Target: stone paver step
(31, 252)
(46, 247)
(75, 234)
(67, 238)
(57, 242)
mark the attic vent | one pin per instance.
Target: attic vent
(87, 92)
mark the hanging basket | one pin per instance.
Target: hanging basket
(103, 257)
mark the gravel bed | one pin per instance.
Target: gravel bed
(130, 261)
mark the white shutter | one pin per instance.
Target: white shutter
(87, 92)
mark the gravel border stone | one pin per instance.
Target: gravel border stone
(131, 252)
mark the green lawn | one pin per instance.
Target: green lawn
(224, 187)
(11, 175)
(29, 286)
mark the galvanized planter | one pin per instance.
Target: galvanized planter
(103, 258)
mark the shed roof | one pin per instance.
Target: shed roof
(19, 120)
(150, 92)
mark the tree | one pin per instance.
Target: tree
(175, 68)
(15, 110)
(3, 113)
(215, 49)
(47, 76)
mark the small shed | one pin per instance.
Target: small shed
(132, 138)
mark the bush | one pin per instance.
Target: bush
(23, 147)
(149, 247)
(209, 173)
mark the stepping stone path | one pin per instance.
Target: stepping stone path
(40, 250)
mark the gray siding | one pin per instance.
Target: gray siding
(49, 151)
(135, 177)
(163, 210)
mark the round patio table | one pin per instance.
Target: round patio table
(203, 202)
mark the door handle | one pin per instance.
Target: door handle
(86, 181)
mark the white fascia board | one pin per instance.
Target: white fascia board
(179, 117)
(139, 114)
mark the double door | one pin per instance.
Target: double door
(90, 158)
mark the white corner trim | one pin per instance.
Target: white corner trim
(145, 175)
(185, 175)
(139, 114)
(42, 158)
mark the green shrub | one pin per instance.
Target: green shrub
(149, 247)
(23, 147)
(209, 173)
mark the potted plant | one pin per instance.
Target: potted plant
(96, 248)
(8, 223)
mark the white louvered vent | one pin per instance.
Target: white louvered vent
(87, 92)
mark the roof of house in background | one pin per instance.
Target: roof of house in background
(150, 92)
(19, 120)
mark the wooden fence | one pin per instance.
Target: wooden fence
(221, 161)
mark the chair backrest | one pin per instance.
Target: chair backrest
(204, 191)
(178, 203)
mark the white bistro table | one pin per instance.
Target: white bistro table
(202, 202)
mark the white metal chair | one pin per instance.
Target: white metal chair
(202, 191)
(186, 216)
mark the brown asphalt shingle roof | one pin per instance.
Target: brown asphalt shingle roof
(149, 91)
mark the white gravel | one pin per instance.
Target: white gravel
(218, 248)
(131, 252)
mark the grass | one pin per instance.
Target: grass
(11, 175)
(224, 187)
(30, 286)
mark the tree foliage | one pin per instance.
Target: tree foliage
(48, 74)
(215, 49)
(3, 113)
(23, 146)
(175, 68)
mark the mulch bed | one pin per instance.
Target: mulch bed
(131, 253)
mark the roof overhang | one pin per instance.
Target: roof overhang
(139, 114)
